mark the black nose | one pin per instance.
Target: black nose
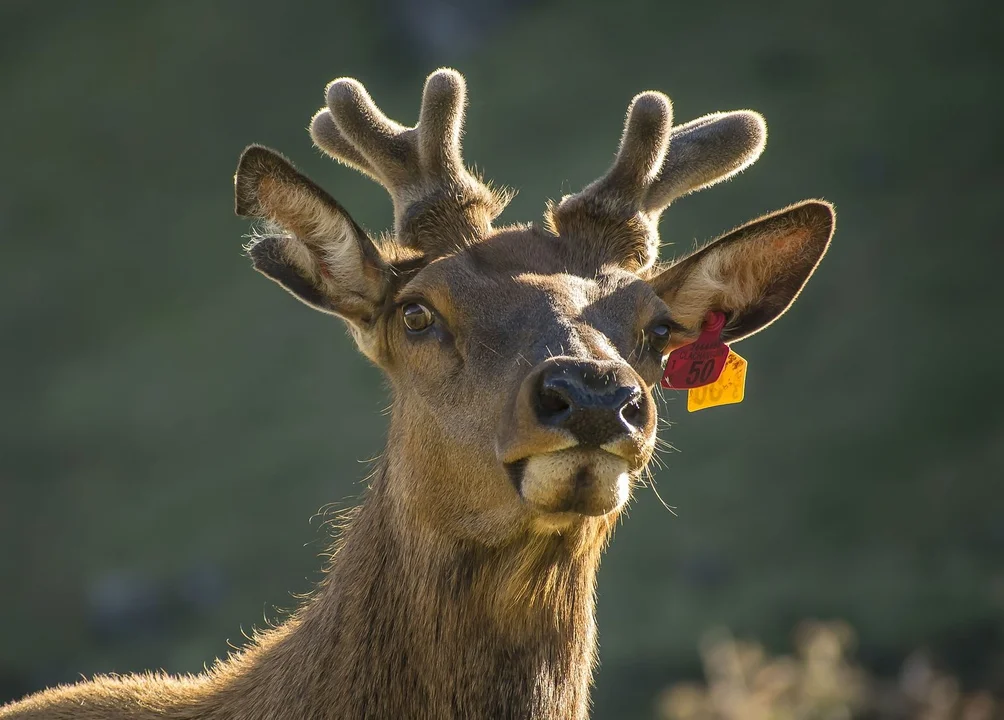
(593, 402)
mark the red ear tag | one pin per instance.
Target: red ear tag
(701, 362)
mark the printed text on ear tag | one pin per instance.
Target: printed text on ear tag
(700, 362)
(730, 387)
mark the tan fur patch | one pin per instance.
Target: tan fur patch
(324, 246)
(762, 264)
(549, 480)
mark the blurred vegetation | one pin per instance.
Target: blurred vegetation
(171, 420)
(821, 682)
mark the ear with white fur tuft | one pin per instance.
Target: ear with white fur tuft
(318, 252)
(752, 274)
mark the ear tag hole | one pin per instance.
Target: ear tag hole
(713, 374)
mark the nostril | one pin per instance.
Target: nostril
(632, 413)
(552, 404)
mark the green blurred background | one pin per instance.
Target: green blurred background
(171, 421)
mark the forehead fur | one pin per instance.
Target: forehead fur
(524, 249)
(529, 256)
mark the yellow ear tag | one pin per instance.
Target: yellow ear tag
(729, 388)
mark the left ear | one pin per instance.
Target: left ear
(319, 253)
(752, 274)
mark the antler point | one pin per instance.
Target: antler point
(345, 90)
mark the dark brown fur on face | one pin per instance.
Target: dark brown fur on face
(464, 585)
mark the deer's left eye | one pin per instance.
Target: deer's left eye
(657, 337)
(417, 317)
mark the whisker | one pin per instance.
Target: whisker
(672, 509)
(488, 347)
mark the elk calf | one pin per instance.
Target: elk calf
(463, 586)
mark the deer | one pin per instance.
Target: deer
(522, 362)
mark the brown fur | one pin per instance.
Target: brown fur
(409, 624)
(464, 586)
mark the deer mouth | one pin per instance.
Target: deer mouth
(573, 482)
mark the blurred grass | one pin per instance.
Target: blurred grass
(164, 408)
(821, 681)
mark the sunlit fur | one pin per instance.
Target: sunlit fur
(618, 214)
(464, 585)
(546, 487)
(755, 272)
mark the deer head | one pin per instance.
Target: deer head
(522, 359)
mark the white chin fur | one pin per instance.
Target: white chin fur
(576, 482)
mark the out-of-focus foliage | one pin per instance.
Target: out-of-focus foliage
(821, 682)
(170, 420)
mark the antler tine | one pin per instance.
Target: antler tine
(329, 138)
(706, 151)
(607, 213)
(420, 166)
(380, 140)
(619, 213)
(440, 123)
(642, 149)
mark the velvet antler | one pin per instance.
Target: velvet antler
(655, 164)
(438, 202)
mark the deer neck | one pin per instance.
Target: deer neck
(411, 623)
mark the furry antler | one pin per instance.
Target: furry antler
(434, 194)
(619, 213)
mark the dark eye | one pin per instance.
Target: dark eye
(417, 317)
(658, 336)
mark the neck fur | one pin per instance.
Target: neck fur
(411, 623)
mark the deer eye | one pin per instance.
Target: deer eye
(417, 317)
(658, 336)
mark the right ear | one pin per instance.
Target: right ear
(319, 254)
